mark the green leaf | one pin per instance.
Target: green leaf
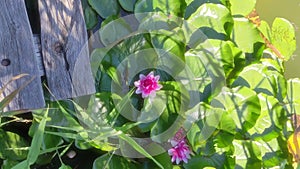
(243, 8)
(207, 70)
(113, 57)
(8, 164)
(265, 29)
(22, 165)
(82, 145)
(223, 139)
(159, 22)
(293, 98)
(224, 52)
(176, 104)
(283, 37)
(214, 20)
(199, 69)
(90, 17)
(170, 7)
(193, 5)
(138, 148)
(10, 146)
(128, 5)
(165, 160)
(111, 161)
(37, 140)
(272, 61)
(63, 166)
(213, 161)
(168, 44)
(270, 122)
(247, 154)
(246, 40)
(49, 141)
(105, 8)
(204, 127)
(36, 143)
(114, 30)
(262, 80)
(242, 104)
(272, 153)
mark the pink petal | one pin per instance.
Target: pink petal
(156, 78)
(142, 76)
(144, 94)
(138, 91)
(137, 83)
(185, 159)
(151, 74)
(173, 159)
(158, 87)
(174, 143)
(170, 151)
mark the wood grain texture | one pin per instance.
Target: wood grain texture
(17, 53)
(64, 49)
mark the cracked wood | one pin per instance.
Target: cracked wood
(64, 49)
(17, 57)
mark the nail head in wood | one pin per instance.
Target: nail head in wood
(5, 62)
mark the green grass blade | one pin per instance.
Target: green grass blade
(22, 165)
(138, 148)
(37, 141)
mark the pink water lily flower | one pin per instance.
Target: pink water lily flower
(180, 150)
(147, 85)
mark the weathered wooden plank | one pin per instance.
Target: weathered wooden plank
(17, 57)
(64, 49)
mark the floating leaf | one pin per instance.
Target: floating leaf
(105, 8)
(293, 97)
(262, 80)
(128, 5)
(90, 17)
(247, 154)
(114, 31)
(242, 104)
(111, 161)
(214, 20)
(269, 123)
(242, 7)
(170, 7)
(246, 40)
(283, 37)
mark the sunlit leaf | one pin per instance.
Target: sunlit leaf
(242, 7)
(170, 7)
(246, 40)
(214, 20)
(269, 123)
(283, 37)
(11, 142)
(247, 154)
(242, 104)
